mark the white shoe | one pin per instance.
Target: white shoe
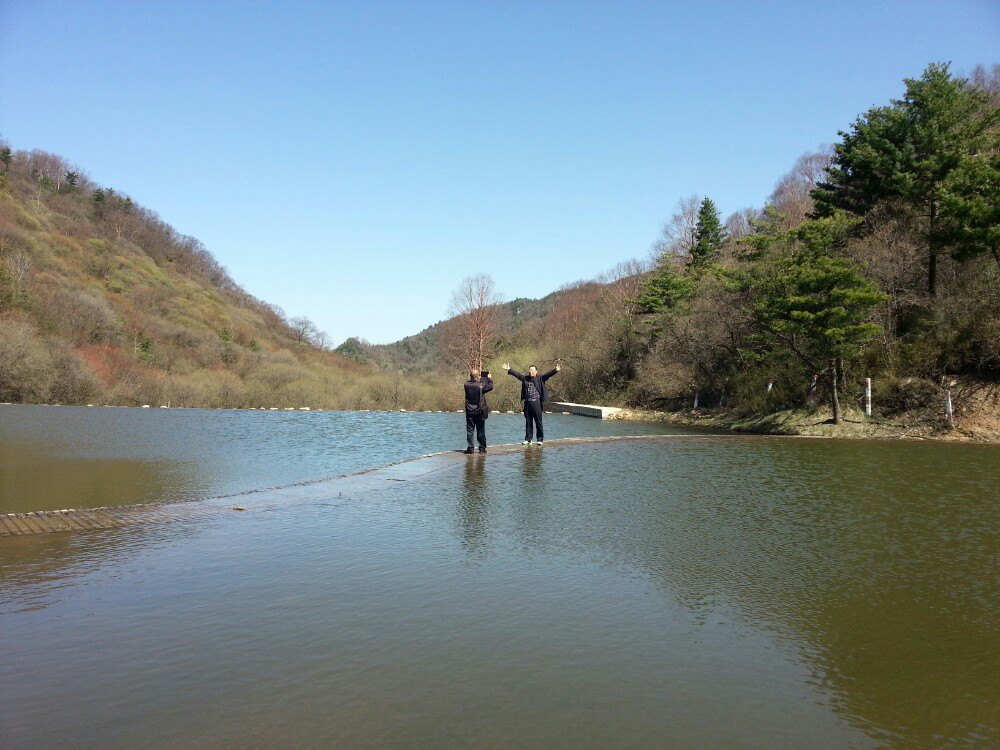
(525, 442)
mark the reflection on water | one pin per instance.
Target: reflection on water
(689, 594)
(59, 457)
(33, 479)
(474, 506)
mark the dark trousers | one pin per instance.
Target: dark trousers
(533, 416)
(475, 423)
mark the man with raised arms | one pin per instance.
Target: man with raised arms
(533, 395)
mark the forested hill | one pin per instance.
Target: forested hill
(423, 351)
(875, 258)
(103, 302)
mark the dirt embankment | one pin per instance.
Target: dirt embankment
(976, 416)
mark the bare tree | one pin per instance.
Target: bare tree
(791, 195)
(987, 79)
(304, 330)
(739, 224)
(18, 264)
(323, 341)
(677, 237)
(471, 334)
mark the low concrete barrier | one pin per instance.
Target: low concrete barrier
(584, 410)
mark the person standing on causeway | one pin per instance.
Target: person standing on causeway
(533, 395)
(476, 408)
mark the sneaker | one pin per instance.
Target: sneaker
(482, 450)
(469, 451)
(539, 442)
(525, 442)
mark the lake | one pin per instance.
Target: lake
(80, 457)
(690, 592)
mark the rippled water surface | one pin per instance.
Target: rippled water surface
(78, 457)
(687, 593)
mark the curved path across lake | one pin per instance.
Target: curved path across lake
(84, 519)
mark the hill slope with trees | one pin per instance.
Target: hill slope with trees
(103, 302)
(876, 258)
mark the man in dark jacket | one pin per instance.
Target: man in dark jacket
(476, 408)
(533, 395)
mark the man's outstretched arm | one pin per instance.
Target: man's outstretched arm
(487, 384)
(512, 371)
(552, 372)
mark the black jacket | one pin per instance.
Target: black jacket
(475, 396)
(538, 380)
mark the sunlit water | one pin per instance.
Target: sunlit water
(79, 457)
(723, 593)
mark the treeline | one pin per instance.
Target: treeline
(877, 257)
(103, 302)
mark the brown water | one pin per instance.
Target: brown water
(735, 593)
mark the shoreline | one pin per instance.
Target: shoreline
(981, 426)
(974, 428)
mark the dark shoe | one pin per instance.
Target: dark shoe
(482, 450)
(469, 451)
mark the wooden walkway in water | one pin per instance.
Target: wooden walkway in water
(90, 519)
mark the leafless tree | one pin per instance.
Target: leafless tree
(470, 336)
(739, 223)
(304, 330)
(791, 194)
(18, 263)
(987, 79)
(323, 340)
(677, 237)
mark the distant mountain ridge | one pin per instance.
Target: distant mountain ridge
(423, 350)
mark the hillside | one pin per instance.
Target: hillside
(876, 258)
(103, 302)
(422, 351)
(856, 267)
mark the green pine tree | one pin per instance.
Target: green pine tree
(709, 234)
(664, 290)
(929, 151)
(814, 305)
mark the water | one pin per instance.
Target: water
(730, 593)
(79, 457)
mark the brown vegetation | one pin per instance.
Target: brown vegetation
(103, 302)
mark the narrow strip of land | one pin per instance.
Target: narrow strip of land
(345, 485)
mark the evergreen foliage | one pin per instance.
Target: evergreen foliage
(709, 235)
(933, 152)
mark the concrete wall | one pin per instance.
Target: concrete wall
(584, 410)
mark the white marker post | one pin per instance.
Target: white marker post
(868, 397)
(949, 413)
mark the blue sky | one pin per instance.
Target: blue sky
(354, 161)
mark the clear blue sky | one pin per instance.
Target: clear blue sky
(353, 161)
